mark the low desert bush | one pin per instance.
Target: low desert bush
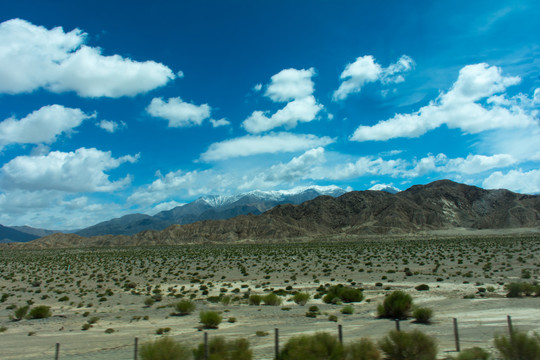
(20, 312)
(164, 349)
(403, 345)
(363, 349)
(271, 299)
(344, 294)
(475, 353)
(301, 298)
(422, 315)
(210, 319)
(318, 346)
(149, 301)
(397, 305)
(40, 312)
(185, 307)
(255, 299)
(518, 346)
(220, 349)
(422, 287)
(347, 310)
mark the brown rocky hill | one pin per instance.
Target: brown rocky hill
(436, 206)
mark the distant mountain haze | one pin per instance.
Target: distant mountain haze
(440, 205)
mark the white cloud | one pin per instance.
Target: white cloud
(294, 86)
(111, 126)
(299, 110)
(180, 74)
(515, 180)
(264, 144)
(305, 166)
(365, 70)
(178, 112)
(33, 57)
(290, 84)
(80, 171)
(220, 122)
(257, 87)
(474, 164)
(458, 109)
(164, 206)
(41, 126)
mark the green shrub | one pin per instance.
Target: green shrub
(342, 293)
(149, 301)
(185, 307)
(162, 331)
(255, 299)
(422, 315)
(312, 347)
(40, 312)
(86, 326)
(20, 312)
(364, 349)
(3, 329)
(210, 319)
(475, 353)
(109, 331)
(332, 318)
(422, 287)
(403, 345)
(301, 298)
(220, 349)
(347, 310)
(271, 299)
(397, 305)
(519, 346)
(164, 349)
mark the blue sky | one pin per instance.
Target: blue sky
(115, 107)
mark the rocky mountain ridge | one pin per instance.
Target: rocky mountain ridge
(436, 206)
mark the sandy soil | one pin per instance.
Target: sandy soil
(453, 268)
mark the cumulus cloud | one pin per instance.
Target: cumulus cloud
(474, 164)
(33, 57)
(220, 122)
(458, 109)
(290, 84)
(299, 110)
(111, 126)
(366, 70)
(295, 87)
(178, 112)
(263, 144)
(41, 126)
(527, 182)
(80, 171)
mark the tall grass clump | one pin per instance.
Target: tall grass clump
(164, 349)
(210, 319)
(40, 312)
(20, 313)
(397, 305)
(422, 315)
(518, 346)
(220, 349)
(364, 349)
(301, 298)
(321, 345)
(403, 345)
(475, 353)
(184, 307)
(271, 299)
(255, 299)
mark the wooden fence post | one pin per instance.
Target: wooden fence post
(456, 335)
(510, 328)
(206, 352)
(340, 333)
(136, 348)
(397, 325)
(57, 352)
(276, 343)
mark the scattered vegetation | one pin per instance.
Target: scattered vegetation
(397, 305)
(164, 348)
(220, 349)
(210, 319)
(403, 345)
(518, 346)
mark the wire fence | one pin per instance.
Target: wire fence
(452, 336)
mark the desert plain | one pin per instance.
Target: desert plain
(100, 297)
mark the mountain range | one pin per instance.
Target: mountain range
(213, 207)
(440, 205)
